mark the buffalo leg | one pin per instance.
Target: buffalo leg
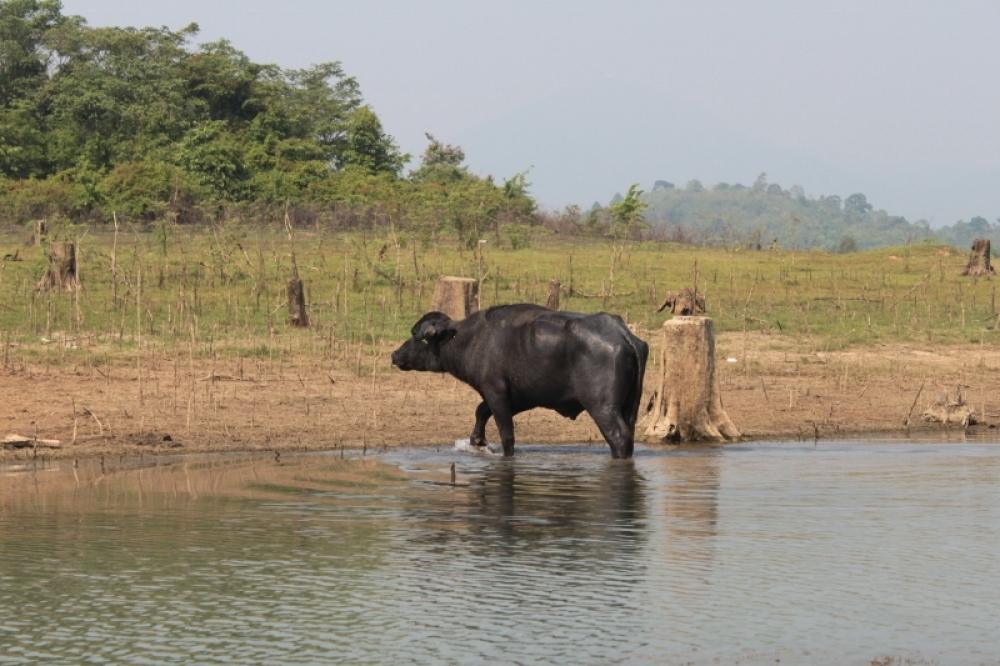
(483, 414)
(503, 416)
(616, 432)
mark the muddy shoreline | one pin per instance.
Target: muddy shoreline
(774, 388)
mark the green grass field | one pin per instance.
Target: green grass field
(220, 291)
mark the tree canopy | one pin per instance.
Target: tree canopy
(141, 120)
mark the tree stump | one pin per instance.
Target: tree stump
(686, 406)
(62, 271)
(979, 259)
(552, 302)
(297, 314)
(457, 297)
(38, 233)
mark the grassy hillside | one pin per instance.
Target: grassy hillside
(215, 291)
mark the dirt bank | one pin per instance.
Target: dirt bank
(773, 386)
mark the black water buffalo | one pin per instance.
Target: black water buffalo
(519, 357)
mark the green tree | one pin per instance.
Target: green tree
(143, 122)
(857, 205)
(24, 60)
(441, 162)
(627, 215)
(214, 157)
(366, 145)
(515, 192)
(24, 57)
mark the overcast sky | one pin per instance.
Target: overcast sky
(897, 99)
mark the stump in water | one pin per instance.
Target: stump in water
(951, 409)
(552, 302)
(62, 270)
(38, 234)
(685, 302)
(457, 297)
(297, 315)
(686, 406)
(979, 259)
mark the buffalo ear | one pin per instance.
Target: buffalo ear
(434, 326)
(439, 332)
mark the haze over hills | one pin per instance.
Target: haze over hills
(727, 214)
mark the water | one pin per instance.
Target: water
(840, 553)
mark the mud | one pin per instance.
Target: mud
(772, 387)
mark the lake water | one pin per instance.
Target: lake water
(839, 553)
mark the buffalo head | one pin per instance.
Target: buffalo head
(423, 350)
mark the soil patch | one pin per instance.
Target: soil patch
(772, 387)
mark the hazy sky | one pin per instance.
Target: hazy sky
(896, 99)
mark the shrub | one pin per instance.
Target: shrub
(518, 235)
(58, 195)
(146, 189)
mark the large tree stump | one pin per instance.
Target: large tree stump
(979, 259)
(686, 405)
(62, 271)
(297, 314)
(552, 302)
(457, 297)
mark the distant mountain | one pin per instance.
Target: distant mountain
(765, 212)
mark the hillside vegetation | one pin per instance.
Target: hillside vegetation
(764, 213)
(141, 124)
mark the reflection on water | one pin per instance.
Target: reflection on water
(840, 553)
(690, 500)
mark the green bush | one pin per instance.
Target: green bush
(146, 189)
(59, 195)
(355, 186)
(288, 184)
(518, 236)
